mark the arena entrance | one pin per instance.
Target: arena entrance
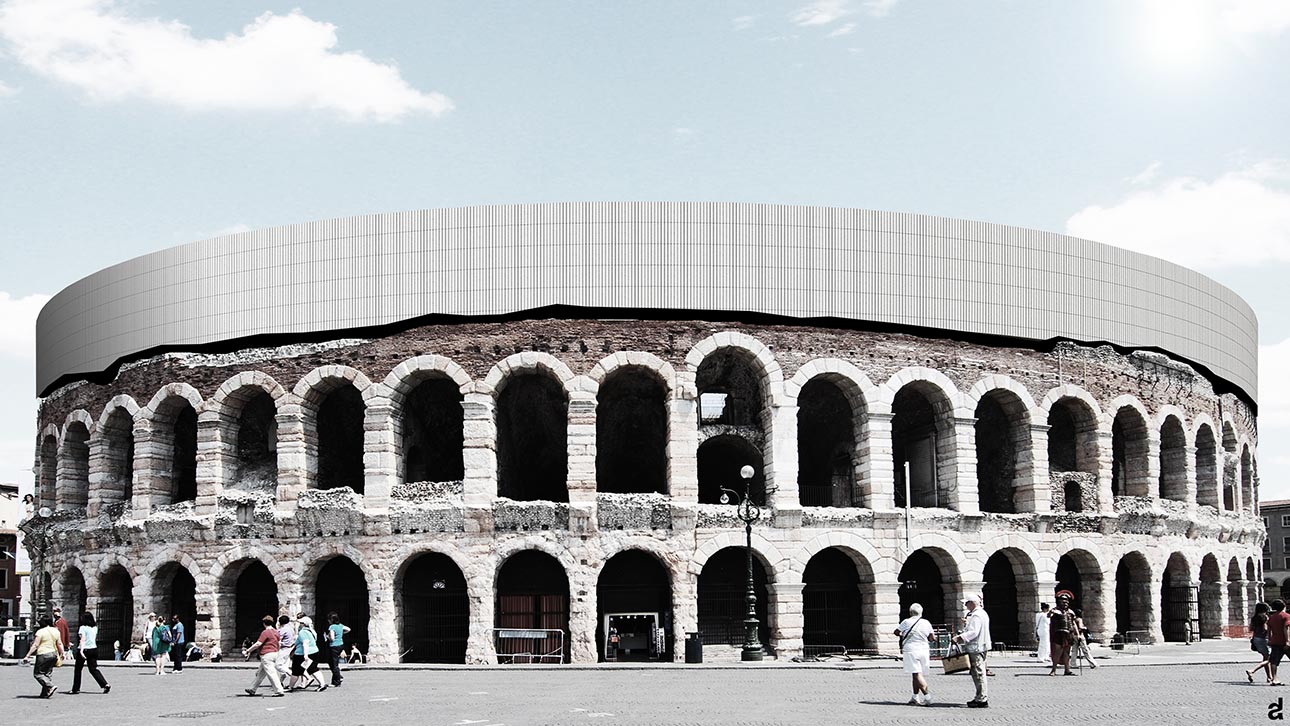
(634, 609)
(832, 612)
(175, 593)
(115, 613)
(922, 581)
(435, 610)
(1078, 572)
(723, 584)
(826, 446)
(341, 588)
(1010, 591)
(532, 596)
(1133, 598)
(1211, 598)
(1179, 602)
(255, 595)
(74, 599)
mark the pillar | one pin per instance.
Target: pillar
(479, 457)
(878, 490)
(786, 619)
(380, 454)
(293, 472)
(885, 616)
(214, 452)
(956, 467)
(1033, 491)
(581, 448)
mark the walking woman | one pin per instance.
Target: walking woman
(1259, 642)
(160, 645)
(48, 649)
(87, 653)
(1081, 651)
(915, 634)
(306, 648)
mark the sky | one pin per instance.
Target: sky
(131, 126)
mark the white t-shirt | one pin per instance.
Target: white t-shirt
(916, 631)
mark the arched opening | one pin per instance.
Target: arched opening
(257, 443)
(74, 467)
(174, 430)
(255, 595)
(1235, 595)
(922, 434)
(928, 577)
(1130, 475)
(631, 433)
(532, 594)
(117, 433)
(634, 603)
(1011, 597)
(74, 599)
(1133, 606)
(1247, 480)
(826, 446)
(834, 612)
(115, 612)
(1179, 602)
(339, 424)
(1173, 460)
(1073, 454)
(1002, 438)
(48, 475)
(341, 588)
(1230, 468)
(1211, 598)
(720, 460)
(1073, 496)
(432, 432)
(723, 584)
(435, 610)
(174, 592)
(1078, 572)
(532, 439)
(1206, 467)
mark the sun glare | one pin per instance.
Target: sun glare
(1179, 34)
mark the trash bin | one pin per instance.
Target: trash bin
(1117, 642)
(21, 644)
(693, 648)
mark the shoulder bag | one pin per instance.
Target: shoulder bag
(907, 632)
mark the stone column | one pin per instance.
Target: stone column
(781, 466)
(479, 456)
(1033, 491)
(146, 461)
(683, 470)
(581, 446)
(1213, 614)
(685, 607)
(1045, 586)
(582, 622)
(480, 649)
(1237, 605)
(100, 479)
(786, 620)
(1189, 470)
(879, 489)
(1150, 592)
(1153, 461)
(380, 457)
(213, 455)
(886, 614)
(1105, 469)
(961, 467)
(385, 645)
(293, 471)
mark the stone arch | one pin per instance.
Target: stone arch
(533, 399)
(721, 588)
(623, 359)
(1230, 466)
(1073, 417)
(47, 467)
(1135, 613)
(334, 403)
(1081, 570)
(764, 551)
(1208, 491)
(931, 576)
(1247, 479)
(839, 595)
(112, 453)
(634, 580)
(533, 591)
(1130, 448)
(1211, 597)
(633, 430)
(169, 448)
(1003, 410)
(426, 393)
(832, 433)
(527, 362)
(925, 406)
(1010, 589)
(433, 605)
(247, 588)
(1179, 618)
(175, 591)
(243, 417)
(73, 472)
(1174, 459)
(72, 594)
(115, 601)
(762, 358)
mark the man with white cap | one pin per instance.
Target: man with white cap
(976, 643)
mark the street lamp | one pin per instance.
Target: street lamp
(747, 512)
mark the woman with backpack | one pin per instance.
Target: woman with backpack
(915, 635)
(161, 640)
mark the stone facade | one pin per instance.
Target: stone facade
(1164, 469)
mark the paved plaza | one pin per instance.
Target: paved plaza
(1163, 684)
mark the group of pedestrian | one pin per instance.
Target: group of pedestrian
(916, 636)
(51, 644)
(166, 642)
(291, 650)
(1269, 633)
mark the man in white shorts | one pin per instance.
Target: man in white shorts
(915, 635)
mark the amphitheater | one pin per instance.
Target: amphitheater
(500, 433)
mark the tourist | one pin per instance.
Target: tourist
(178, 651)
(303, 675)
(266, 647)
(286, 645)
(148, 626)
(159, 643)
(1061, 628)
(915, 633)
(87, 653)
(63, 630)
(355, 656)
(976, 643)
(1081, 649)
(1259, 642)
(1041, 634)
(216, 654)
(1278, 629)
(48, 650)
(29, 506)
(336, 641)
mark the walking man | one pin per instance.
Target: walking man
(266, 646)
(976, 643)
(1278, 629)
(336, 642)
(286, 642)
(178, 651)
(1041, 634)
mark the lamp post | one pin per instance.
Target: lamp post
(747, 512)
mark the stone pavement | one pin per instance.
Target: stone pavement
(1199, 684)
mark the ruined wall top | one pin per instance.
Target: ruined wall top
(790, 261)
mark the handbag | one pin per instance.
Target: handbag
(955, 661)
(907, 632)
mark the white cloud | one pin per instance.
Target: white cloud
(744, 22)
(232, 229)
(1239, 219)
(1274, 385)
(820, 12)
(18, 326)
(1146, 176)
(6, 90)
(880, 8)
(276, 63)
(846, 29)
(684, 131)
(1253, 18)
